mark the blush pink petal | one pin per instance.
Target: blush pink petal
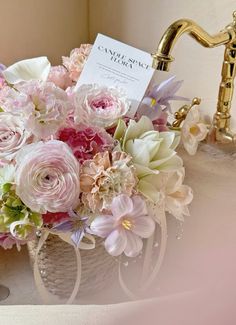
(116, 242)
(143, 227)
(139, 207)
(102, 225)
(134, 245)
(121, 206)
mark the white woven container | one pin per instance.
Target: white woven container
(58, 268)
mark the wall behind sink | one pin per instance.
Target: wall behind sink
(41, 27)
(142, 23)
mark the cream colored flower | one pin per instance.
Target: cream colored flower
(104, 177)
(193, 131)
(174, 197)
(152, 152)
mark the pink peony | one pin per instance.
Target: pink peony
(86, 141)
(100, 106)
(76, 61)
(47, 177)
(123, 228)
(60, 77)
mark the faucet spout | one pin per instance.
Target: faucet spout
(220, 131)
(162, 56)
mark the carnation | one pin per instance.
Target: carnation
(76, 61)
(104, 177)
(86, 141)
(100, 106)
(47, 177)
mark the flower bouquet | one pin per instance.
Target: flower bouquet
(77, 171)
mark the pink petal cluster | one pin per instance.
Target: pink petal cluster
(76, 61)
(60, 77)
(7, 241)
(124, 228)
(47, 177)
(13, 135)
(86, 141)
(100, 105)
(46, 108)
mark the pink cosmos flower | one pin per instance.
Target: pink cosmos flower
(47, 177)
(76, 61)
(86, 141)
(100, 105)
(60, 77)
(129, 221)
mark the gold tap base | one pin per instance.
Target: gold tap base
(221, 136)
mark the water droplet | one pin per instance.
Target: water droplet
(156, 244)
(126, 263)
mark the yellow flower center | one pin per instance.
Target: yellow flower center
(153, 102)
(194, 130)
(127, 224)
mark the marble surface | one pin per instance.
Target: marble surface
(205, 256)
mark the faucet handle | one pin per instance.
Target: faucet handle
(182, 113)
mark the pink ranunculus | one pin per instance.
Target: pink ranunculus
(47, 177)
(13, 136)
(76, 61)
(60, 77)
(124, 228)
(100, 105)
(86, 141)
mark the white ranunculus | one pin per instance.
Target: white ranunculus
(47, 177)
(30, 69)
(193, 131)
(13, 136)
(99, 106)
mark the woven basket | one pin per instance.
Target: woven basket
(58, 268)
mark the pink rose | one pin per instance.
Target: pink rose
(13, 136)
(60, 77)
(86, 141)
(76, 61)
(47, 177)
(100, 106)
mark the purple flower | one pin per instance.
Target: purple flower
(126, 226)
(159, 97)
(76, 225)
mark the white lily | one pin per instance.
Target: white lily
(193, 131)
(30, 69)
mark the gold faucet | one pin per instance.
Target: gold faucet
(220, 130)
